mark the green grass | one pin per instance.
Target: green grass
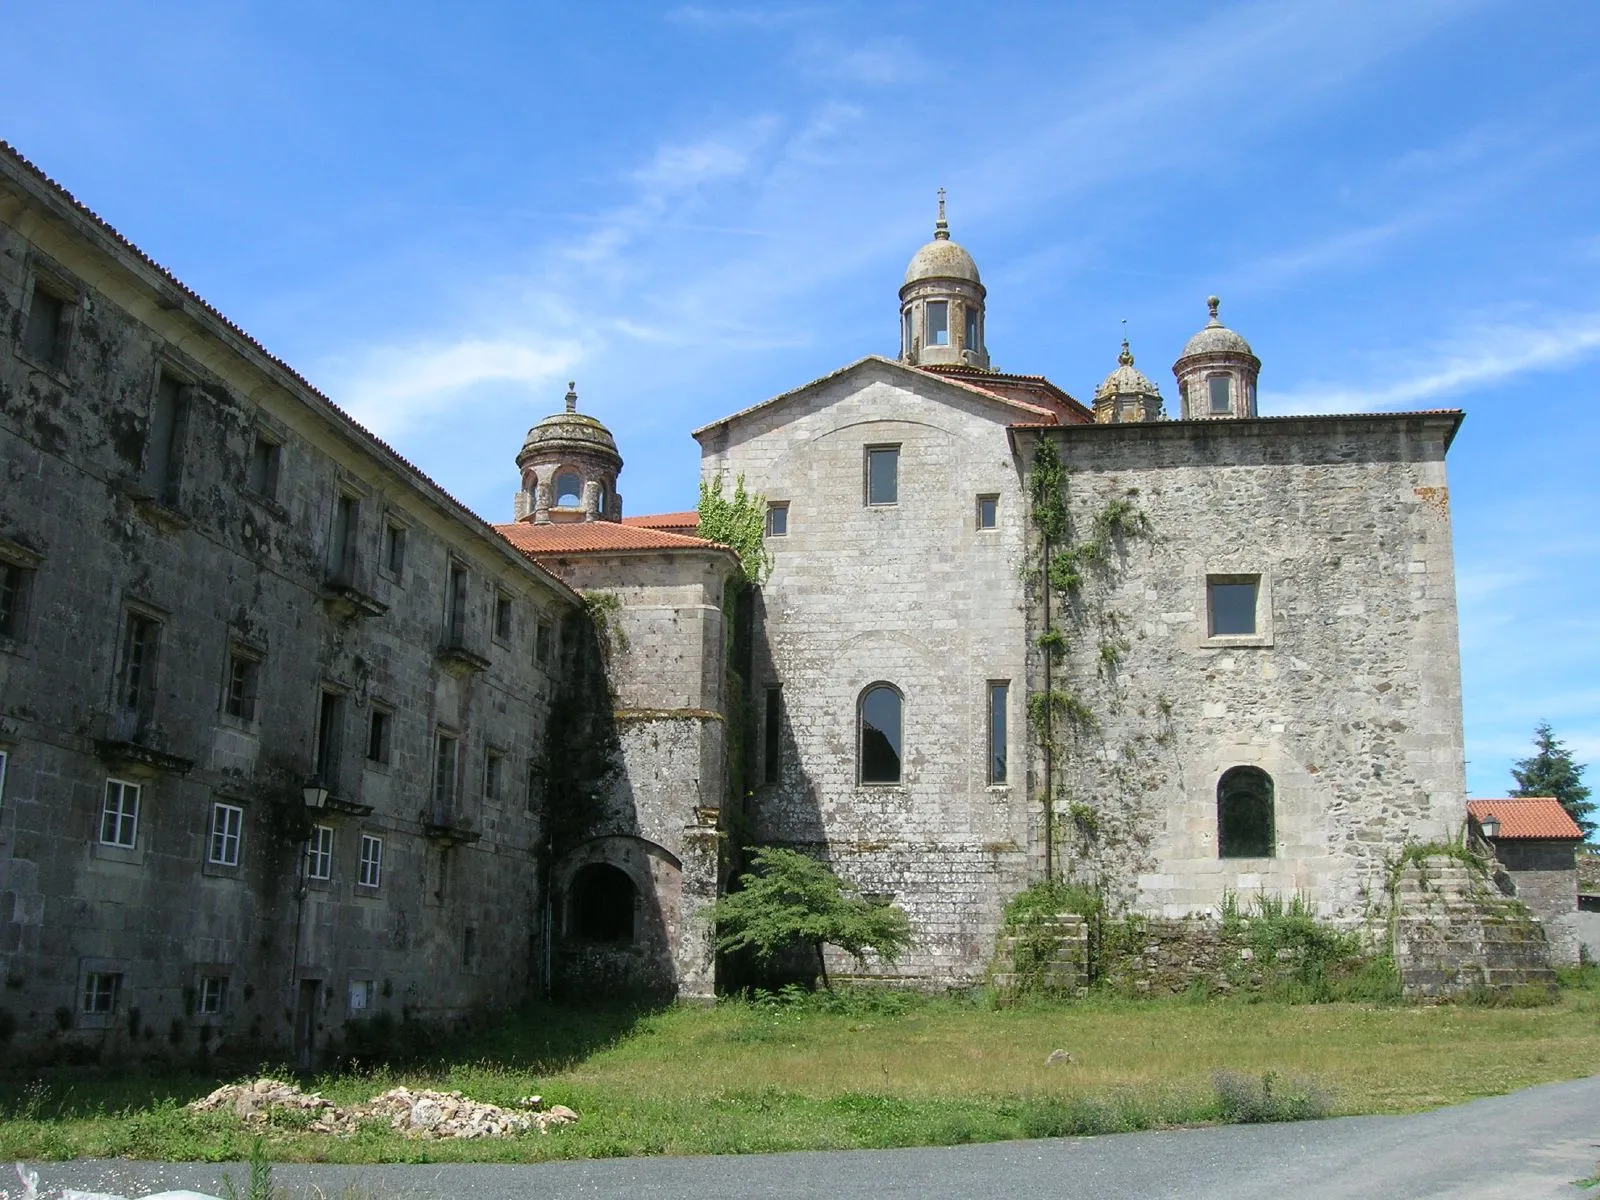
(870, 1070)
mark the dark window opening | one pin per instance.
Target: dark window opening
(1244, 814)
(330, 725)
(972, 329)
(1231, 604)
(342, 551)
(998, 693)
(469, 948)
(44, 339)
(906, 345)
(136, 690)
(242, 672)
(378, 734)
(569, 490)
(264, 461)
(542, 641)
(14, 582)
(772, 738)
(883, 475)
(880, 735)
(164, 446)
(502, 616)
(394, 548)
(601, 903)
(456, 606)
(444, 776)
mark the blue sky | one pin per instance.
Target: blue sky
(440, 213)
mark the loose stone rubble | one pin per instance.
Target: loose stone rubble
(414, 1114)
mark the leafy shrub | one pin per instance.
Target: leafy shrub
(1246, 1100)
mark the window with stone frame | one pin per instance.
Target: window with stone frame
(136, 680)
(163, 451)
(1231, 605)
(380, 730)
(936, 317)
(999, 694)
(988, 511)
(227, 829)
(344, 544)
(881, 721)
(212, 995)
(101, 990)
(329, 750)
(1217, 388)
(971, 342)
(45, 336)
(772, 736)
(883, 475)
(266, 457)
(1245, 814)
(600, 904)
(16, 588)
(394, 548)
(568, 490)
(119, 814)
(543, 643)
(244, 670)
(445, 746)
(319, 853)
(502, 616)
(370, 871)
(494, 768)
(778, 519)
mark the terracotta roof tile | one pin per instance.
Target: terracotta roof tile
(1527, 817)
(596, 537)
(672, 522)
(362, 433)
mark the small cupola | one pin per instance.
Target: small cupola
(1126, 395)
(569, 465)
(1217, 373)
(941, 304)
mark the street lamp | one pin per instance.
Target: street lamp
(314, 793)
(1490, 826)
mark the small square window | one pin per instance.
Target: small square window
(394, 548)
(45, 338)
(988, 512)
(243, 672)
(371, 872)
(227, 823)
(883, 475)
(119, 817)
(319, 853)
(213, 995)
(778, 520)
(16, 582)
(1231, 604)
(265, 458)
(378, 733)
(502, 616)
(494, 764)
(543, 642)
(100, 992)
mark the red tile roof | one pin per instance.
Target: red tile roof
(596, 537)
(1028, 390)
(372, 442)
(673, 522)
(1527, 817)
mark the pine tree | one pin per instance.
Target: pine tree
(1551, 772)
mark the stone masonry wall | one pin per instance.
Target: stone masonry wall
(1348, 695)
(227, 570)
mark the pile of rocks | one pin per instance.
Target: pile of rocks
(416, 1114)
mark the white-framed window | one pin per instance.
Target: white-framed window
(213, 995)
(244, 667)
(319, 853)
(371, 872)
(119, 818)
(227, 823)
(362, 994)
(100, 992)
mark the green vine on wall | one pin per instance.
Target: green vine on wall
(739, 522)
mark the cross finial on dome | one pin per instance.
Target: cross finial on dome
(572, 396)
(941, 227)
(1213, 303)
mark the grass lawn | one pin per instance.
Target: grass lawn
(867, 1070)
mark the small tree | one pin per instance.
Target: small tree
(792, 898)
(1551, 772)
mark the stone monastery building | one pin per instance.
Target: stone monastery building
(289, 739)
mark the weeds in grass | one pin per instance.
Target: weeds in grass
(260, 1185)
(1246, 1100)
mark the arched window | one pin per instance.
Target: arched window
(1244, 814)
(569, 490)
(880, 734)
(600, 904)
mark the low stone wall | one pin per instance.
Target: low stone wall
(1156, 956)
(1052, 956)
(1454, 933)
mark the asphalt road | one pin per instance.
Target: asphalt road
(1525, 1146)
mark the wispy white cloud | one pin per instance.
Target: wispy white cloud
(1477, 357)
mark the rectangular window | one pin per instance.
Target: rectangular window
(972, 329)
(45, 338)
(905, 334)
(213, 995)
(772, 736)
(998, 691)
(1231, 604)
(378, 733)
(988, 512)
(100, 992)
(778, 520)
(119, 818)
(264, 461)
(938, 319)
(227, 823)
(371, 873)
(4, 759)
(163, 454)
(136, 685)
(444, 774)
(469, 948)
(455, 615)
(883, 475)
(1219, 393)
(243, 670)
(543, 642)
(535, 784)
(319, 853)
(493, 773)
(346, 536)
(502, 616)
(394, 548)
(330, 730)
(15, 583)
(362, 993)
